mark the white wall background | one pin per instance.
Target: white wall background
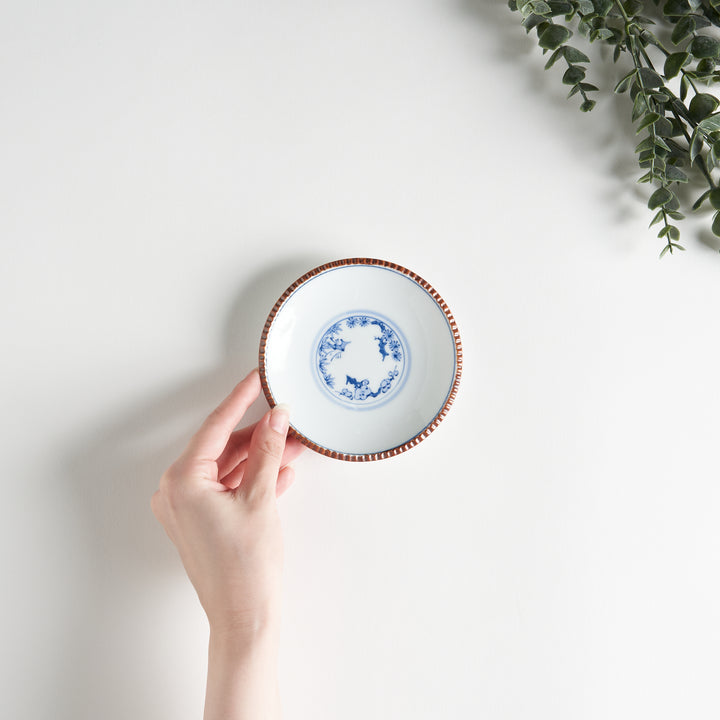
(167, 169)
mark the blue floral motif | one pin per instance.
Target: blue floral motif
(345, 350)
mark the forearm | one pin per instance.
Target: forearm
(242, 681)
(217, 502)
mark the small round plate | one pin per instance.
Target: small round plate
(366, 354)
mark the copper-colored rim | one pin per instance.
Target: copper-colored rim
(458, 358)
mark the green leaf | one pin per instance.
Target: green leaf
(573, 75)
(702, 105)
(674, 63)
(684, 28)
(554, 58)
(541, 8)
(674, 8)
(560, 7)
(650, 78)
(671, 231)
(681, 110)
(696, 143)
(711, 123)
(649, 119)
(698, 203)
(661, 197)
(554, 36)
(684, 87)
(624, 83)
(678, 128)
(587, 105)
(705, 67)
(714, 196)
(647, 36)
(632, 7)
(658, 217)
(512, 4)
(674, 174)
(704, 46)
(532, 21)
(716, 224)
(664, 127)
(573, 55)
(647, 144)
(639, 107)
(602, 7)
(671, 246)
(647, 177)
(586, 7)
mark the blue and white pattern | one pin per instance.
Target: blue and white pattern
(361, 360)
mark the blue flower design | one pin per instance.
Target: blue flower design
(370, 379)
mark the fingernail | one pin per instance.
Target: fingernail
(280, 418)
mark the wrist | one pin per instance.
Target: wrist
(242, 632)
(243, 672)
(239, 651)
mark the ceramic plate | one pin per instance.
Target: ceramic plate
(366, 354)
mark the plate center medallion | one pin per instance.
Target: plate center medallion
(361, 360)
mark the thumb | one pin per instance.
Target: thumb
(265, 454)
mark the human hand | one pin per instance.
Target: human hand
(217, 502)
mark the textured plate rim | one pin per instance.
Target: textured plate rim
(412, 442)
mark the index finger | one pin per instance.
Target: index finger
(212, 437)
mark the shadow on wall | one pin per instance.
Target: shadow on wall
(112, 664)
(608, 145)
(604, 138)
(519, 50)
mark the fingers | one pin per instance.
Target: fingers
(210, 440)
(265, 455)
(235, 451)
(293, 450)
(231, 464)
(285, 480)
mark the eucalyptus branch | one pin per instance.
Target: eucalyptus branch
(681, 122)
